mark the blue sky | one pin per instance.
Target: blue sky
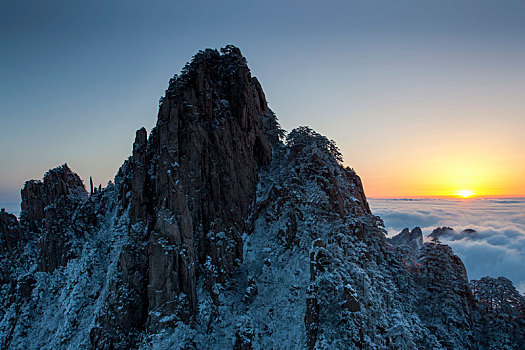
(392, 82)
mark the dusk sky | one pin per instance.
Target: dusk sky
(423, 98)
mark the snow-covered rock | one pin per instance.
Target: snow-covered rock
(220, 232)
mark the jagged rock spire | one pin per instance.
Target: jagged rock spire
(37, 195)
(192, 183)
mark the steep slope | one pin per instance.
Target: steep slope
(485, 314)
(219, 232)
(190, 189)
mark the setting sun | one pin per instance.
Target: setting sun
(465, 193)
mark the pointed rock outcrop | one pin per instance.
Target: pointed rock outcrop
(412, 239)
(191, 186)
(37, 195)
(47, 207)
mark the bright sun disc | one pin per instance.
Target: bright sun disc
(465, 193)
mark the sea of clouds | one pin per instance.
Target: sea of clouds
(496, 249)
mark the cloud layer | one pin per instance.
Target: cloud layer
(496, 249)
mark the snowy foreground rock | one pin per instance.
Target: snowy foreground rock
(220, 232)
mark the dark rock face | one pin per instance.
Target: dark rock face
(443, 297)
(468, 231)
(33, 204)
(48, 207)
(443, 278)
(138, 209)
(319, 259)
(11, 234)
(207, 146)
(209, 142)
(441, 231)
(37, 195)
(412, 239)
(55, 245)
(192, 184)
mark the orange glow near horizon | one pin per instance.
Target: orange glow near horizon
(465, 193)
(446, 170)
(460, 182)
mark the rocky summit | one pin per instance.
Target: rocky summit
(223, 231)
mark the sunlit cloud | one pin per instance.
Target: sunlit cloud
(497, 248)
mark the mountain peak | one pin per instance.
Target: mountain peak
(221, 233)
(412, 239)
(37, 195)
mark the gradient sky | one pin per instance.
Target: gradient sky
(423, 98)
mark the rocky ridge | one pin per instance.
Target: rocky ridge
(220, 232)
(413, 239)
(470, 312)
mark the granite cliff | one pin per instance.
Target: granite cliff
(223, 231)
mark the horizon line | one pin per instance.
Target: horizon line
(447, 197)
